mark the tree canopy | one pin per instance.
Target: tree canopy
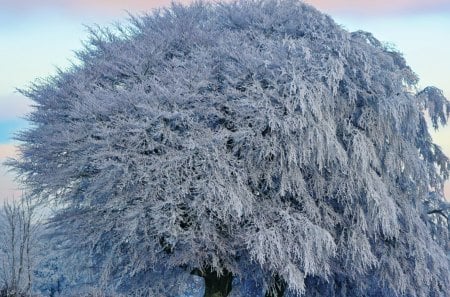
(243, 140)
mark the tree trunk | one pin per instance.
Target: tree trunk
(215, 285)
(277, 287)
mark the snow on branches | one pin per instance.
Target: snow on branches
(251, 136)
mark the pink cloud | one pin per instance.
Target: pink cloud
(380, 6)
(119, 6)
(7, 151)
(103, 7)
(13, 106)
(113, 7)
(9, 189)
(447, 191)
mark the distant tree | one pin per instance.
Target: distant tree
(253, 140)
(17, 247)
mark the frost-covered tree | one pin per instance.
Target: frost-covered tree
(252, 140)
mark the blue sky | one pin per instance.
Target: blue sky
(37, 36)
(10, 126)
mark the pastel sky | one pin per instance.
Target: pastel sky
(38, 36)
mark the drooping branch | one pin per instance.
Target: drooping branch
(441, 212)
